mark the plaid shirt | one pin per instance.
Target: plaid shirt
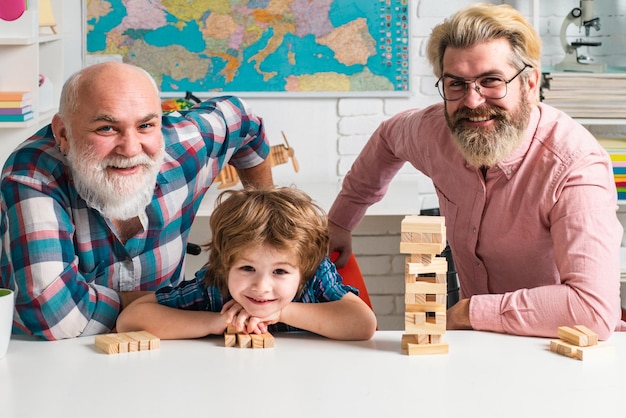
(326, 285)
(61, 256)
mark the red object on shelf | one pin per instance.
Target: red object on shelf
(12, 9)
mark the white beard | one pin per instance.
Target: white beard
(114, 196)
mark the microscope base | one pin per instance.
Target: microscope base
(570, 63)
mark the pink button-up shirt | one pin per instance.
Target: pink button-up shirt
(535, 242)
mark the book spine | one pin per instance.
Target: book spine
(16, 118)
(15, 104)
(16, 111)
(14, 96)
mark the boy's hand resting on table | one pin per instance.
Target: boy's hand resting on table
(239, 318)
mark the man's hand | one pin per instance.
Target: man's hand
(340, 242)
(457, 316)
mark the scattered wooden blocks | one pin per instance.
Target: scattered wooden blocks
(578, 342)
(234, 339)
(127, 342)
(423, 237)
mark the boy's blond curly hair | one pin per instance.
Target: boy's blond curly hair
(284, 218)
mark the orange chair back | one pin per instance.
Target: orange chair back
(352, 276)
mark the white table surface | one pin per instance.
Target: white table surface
(483, 375)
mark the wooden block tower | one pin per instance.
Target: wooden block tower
(423, 237)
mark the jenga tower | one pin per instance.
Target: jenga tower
(423, 237)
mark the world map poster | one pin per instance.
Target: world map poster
(337, 47)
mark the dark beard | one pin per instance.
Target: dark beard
(485, 147)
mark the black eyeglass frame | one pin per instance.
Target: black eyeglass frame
(477, 87)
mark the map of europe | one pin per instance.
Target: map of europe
(292, 46)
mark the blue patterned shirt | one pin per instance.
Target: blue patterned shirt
(326, 285)
(62, 257)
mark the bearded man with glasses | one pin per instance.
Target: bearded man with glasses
(527, 193)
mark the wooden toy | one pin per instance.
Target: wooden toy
(423, 237)
(127, 342)
(232, 338)
(578, 342)
(279, 154)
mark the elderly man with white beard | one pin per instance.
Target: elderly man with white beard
(527, 193)
(97, 206)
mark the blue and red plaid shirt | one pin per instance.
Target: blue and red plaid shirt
(62, 258)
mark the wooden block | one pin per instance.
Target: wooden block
(244, 341)
(437, 265)
(107, 344)
(593, 337)
(426, 328)
(426, 307)
(147, 341)
(424, 259)
(432, 224)
(139, 341)
(580, 353)
(420, 349)
(230, 340)
(421, 248)
(414, 339)
(573, 336)
(427, 288)
(411, 318)
(406, 237)
(421, 237)
(268, 340)
(127, 342)
(257, 340)
(563, 348)
(414, 298)
(230, 329)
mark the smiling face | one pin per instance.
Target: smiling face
(113, 139)
(263, 279)
(487, 130)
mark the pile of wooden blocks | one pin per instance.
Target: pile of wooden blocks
(234, 339)
(424, 237)
(578, 342)
(127, 342)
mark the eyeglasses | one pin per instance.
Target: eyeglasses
(490, 86)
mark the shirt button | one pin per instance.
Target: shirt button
(474, 230)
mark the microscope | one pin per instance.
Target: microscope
(583, 18)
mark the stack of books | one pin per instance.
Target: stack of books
(587, 95)
(617, 151)
(16, 106)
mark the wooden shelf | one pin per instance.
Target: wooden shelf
(26, 51)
